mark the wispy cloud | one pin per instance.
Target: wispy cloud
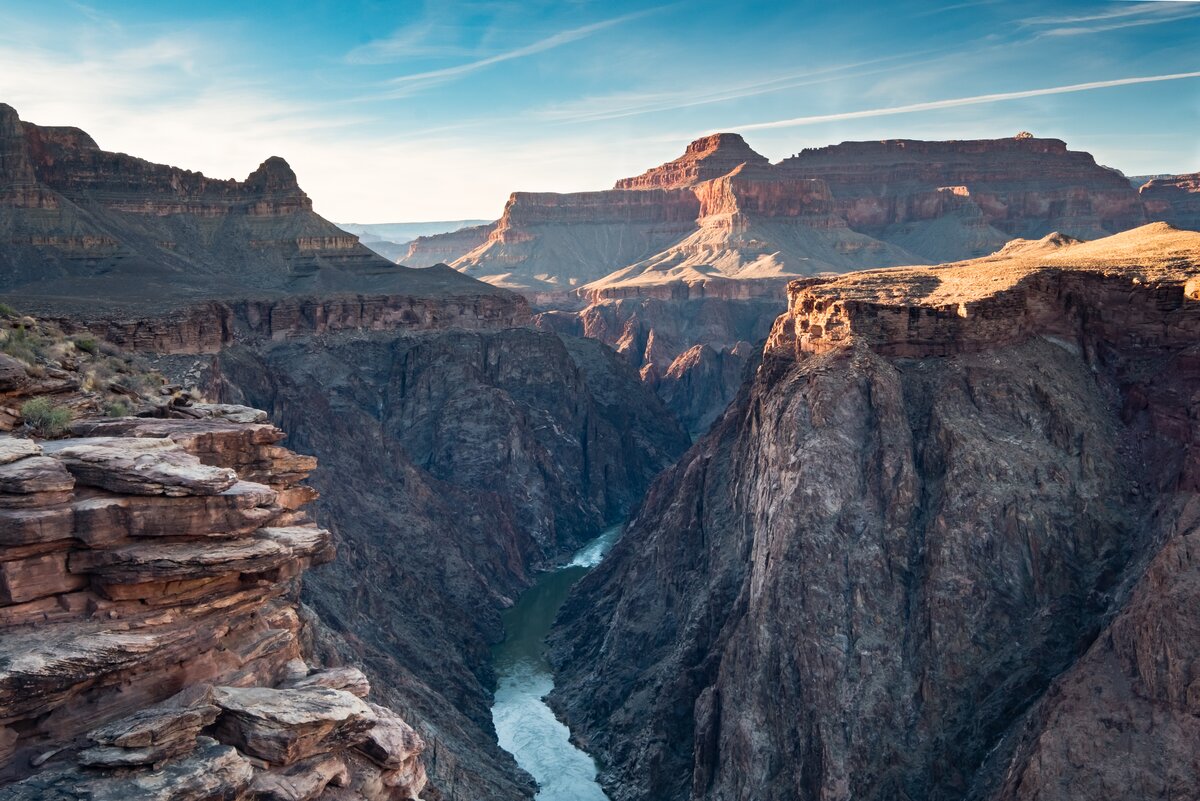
(630, 104)
(1131, 15)
(421, 39)
(960, 101)
(405, 84)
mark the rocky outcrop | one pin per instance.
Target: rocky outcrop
(1174, 199)
(937, 548)
(452, 464)
(704, 159)
(150, 573)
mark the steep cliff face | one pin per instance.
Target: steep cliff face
(452, 464)
(152, 638)
(910, 561)
(553, 243)
(1174, 199)
(1020, 187)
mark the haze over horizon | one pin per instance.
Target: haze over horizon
(438, 111)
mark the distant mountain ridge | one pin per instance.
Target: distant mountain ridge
(86, 227)
(723, 211)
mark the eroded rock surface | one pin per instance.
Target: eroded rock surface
(149, 604)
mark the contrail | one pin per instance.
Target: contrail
(960, 101)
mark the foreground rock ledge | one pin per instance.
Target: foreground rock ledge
(149, 581)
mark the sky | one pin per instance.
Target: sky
(410, 111)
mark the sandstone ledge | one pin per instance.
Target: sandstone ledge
(150, 558)
(1147, 281)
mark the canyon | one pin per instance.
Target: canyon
(889, 530)
(928, 552)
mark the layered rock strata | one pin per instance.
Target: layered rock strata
(1020, 187)
(152, 641)
(1174, 199)
(937, 548)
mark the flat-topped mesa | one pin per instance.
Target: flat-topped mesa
(1024, 186)
(1147, 281)
(704, 159)
(1174, 199)
(142, 562)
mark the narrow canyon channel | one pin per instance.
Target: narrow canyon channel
(525, 725)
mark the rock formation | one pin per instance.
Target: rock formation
(722, 222)
(962, 199)
(1174, 199)
(938, 548)
(153, 644)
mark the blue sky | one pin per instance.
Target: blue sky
(424, 111)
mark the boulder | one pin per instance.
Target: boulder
(14, 448)
(214, 772)
(350, 679)
(141, 467)
(284, 726)
(391, 743)
(148, 736)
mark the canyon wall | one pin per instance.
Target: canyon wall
(1174, 199)
(1023, 187)
(928, 552)
(431, 249)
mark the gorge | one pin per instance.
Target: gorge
(891, 442)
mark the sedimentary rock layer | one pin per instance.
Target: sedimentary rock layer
(149, 603)
(1174, 199)
(938, 548)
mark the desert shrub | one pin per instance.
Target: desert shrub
(7, 311)
(86, 344)
(118, 408)
(45, 417)
(21, 344)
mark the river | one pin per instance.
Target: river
(525, 725)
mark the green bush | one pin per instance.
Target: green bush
(87, 344)
(7, 311)
(18, 343)
(118, 408)
(45, 417)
